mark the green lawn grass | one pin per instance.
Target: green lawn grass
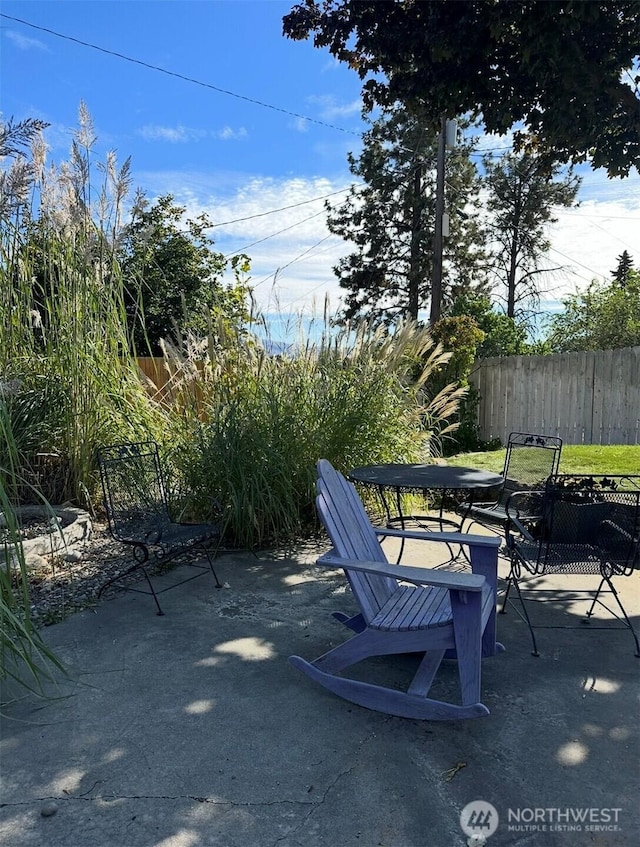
(575, 458)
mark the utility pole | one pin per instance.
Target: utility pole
(417, 220)
(436, 273)
(447, 138)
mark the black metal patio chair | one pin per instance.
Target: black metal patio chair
(529, 461)
(577, 526)
(138, 514)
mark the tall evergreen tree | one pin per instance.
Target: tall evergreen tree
(390, 217)
(625, 266)
(523, 191)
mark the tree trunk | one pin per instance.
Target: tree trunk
(513, 262)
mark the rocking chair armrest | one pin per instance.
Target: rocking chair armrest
(417, 576)
(443, 537)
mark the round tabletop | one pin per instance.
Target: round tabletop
(425, 477)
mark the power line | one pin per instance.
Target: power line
(293, 261)
(575, 261)
(614, 237)
(281, 209)
(273, 234)
(579, 212)
(310, 292)
(489, 151)
(177, 75)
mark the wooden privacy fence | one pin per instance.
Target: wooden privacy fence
(591, 397)
(154, 370)
(171, 385)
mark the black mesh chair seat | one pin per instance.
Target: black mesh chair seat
(165, 535)
(560, 558)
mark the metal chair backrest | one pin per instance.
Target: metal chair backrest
(530, 460)
(133, 487)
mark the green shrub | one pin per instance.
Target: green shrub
(460, 335)
(255, 425)
(65, 342)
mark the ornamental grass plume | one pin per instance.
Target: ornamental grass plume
(255, 424)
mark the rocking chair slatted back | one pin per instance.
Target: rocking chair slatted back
(353, 536)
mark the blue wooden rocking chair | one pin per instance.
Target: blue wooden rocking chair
(440, 613)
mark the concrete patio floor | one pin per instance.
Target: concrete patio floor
(192, 730)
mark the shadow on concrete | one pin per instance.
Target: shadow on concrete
(192, 730)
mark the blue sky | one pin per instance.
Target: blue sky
(245, 153)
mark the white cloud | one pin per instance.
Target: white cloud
(25, 43)
(182, 134)
(491, 142)
(228, 134)
(57, 135)
(300, 125)
(332, 64)
(293, 253)
(175, 135)
(589, 239)
(331, 110)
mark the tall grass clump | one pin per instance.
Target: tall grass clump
(257, 423)
(69, 383)
(24, 657)
(64, 340)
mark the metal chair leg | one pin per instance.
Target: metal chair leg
(210, 560)
(616, 597)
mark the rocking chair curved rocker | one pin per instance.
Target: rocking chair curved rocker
(439, 613)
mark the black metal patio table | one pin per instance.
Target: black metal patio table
(446, 480)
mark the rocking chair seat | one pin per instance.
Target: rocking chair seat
(410, 608)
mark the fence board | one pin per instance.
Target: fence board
(631, 432)
(589, 397)
(584, 395)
